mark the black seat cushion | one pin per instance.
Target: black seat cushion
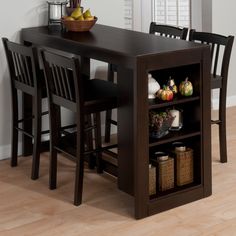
(100, 95)
(100, 89)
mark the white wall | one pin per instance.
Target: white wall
(15, 15)
(109, 12)
(196, 14)
(223, 22)
(22, 14)
(207, 15)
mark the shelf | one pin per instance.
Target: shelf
(174, 191)
(157, 103)
(194, 120)
(175, 199)
(174, 136)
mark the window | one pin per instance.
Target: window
(139, 13)
(128, 14)
(172, 12)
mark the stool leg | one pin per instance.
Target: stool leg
(55, 123)
(37, 126)
(110, 77)
(79, 175)
(223, 143)
(79, 172)
(222, 133)
(108, 126)
(98, 141)
(89, 142)
(14, 147)
(26, 125)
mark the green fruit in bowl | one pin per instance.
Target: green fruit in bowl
(87, 13)
(69, 18)
(89, 18)
(77, 13)
(186, 88)
(80, 17)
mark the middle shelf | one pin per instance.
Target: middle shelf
(156, 103)
(186, 132)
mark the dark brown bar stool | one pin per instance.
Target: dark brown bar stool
(168, 31)
(162, 30)
(28, 78)
(67, 88)
(220, 45)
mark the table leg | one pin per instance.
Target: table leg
(133, 148)
(125, 134)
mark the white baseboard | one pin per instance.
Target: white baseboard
(5, 151)
(230, 102)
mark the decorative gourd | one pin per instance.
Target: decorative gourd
(153, 87)
(172, 86)
(165, 94)
(186, 88)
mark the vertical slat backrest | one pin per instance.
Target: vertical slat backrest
(62, 85)
(168, 31)
(22, 62)
(62, 79)
(220, 45)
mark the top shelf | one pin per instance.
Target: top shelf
(157, 103)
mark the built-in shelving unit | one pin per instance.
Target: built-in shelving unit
(191, 135)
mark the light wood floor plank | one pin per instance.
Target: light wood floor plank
(28, 208)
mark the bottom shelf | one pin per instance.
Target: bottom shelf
(176, 189)
(177, 198)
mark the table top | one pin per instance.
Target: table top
(108, 39)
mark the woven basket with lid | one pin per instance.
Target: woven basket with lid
(184, 166)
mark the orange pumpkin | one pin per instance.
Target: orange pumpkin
(165, 94)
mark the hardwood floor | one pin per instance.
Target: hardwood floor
(29, 208)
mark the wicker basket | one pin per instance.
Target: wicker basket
(184, 167)
(79, 25)
(165, 174)
(152, 180)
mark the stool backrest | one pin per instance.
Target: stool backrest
(23, 66)
(168, 31)
(220, 45)
(63, 80)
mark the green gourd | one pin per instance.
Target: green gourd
(186, 88)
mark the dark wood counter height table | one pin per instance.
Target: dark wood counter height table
(136, 54)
